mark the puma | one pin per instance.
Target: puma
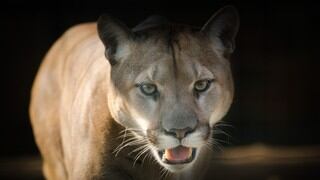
(111, 102)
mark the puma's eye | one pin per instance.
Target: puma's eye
(202, 85)
(148, 89)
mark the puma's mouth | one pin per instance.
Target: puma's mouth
(177, 155)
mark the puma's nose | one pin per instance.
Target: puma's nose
(179, 133)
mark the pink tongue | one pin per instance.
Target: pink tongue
(179, 153)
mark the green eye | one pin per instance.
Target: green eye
(202, 85)
(148, 89)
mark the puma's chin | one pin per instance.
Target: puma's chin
(177, 158)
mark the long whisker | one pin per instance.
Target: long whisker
(223, 124)
(209, 144)
(131, 129)
(220, 131)
(218, 145)
(123, 143)
(222, 141)
(130, 143)
(147, 155)
(143, 151)
(139, 148)
(133, 140)
(217, 131)
(164, 173)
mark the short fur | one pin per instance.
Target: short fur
(89, 117)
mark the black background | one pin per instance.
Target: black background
(274, 66)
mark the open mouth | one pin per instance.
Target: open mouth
(177, 155)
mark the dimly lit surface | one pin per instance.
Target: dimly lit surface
(274, 66)
(251, 162)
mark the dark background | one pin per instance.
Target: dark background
(274, 65)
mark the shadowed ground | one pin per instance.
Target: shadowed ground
(249, 162)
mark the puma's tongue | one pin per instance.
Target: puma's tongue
(177, 154)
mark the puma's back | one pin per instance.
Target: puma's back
(66, 66)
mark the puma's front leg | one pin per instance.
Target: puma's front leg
(90, 162)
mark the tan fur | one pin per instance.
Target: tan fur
(72, 126)
(81, 110)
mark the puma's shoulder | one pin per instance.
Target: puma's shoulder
(79, 31)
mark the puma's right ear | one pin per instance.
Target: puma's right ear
(222, 28)
(115, 37)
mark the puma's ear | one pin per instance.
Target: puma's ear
(222, 28)
(115, 37)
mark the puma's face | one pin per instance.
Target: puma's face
(170, 83)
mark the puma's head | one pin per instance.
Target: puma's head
(170, 83)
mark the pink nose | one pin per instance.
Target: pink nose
(179, 133)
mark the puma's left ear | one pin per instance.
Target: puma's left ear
(222, 28)
(115, 37)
